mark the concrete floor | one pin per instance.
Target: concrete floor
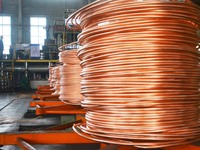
(13, 106)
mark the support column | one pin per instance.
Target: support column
(19, 21)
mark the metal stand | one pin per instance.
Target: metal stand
(61, 110)
(42, 137)
(45, 103)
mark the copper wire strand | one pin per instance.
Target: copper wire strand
(70, 88)
(63, 47)
(140, 71)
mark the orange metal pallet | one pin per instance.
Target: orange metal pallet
(43, 86)
(45, 103)
(43, 137)
(59, 110)
(44, 92)
(47, 97)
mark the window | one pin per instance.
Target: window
(38, 30)
(5, 30)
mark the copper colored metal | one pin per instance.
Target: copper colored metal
(70, 90)
(140, 71)
(56, 80)
(50, 76)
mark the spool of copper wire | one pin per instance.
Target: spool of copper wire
(56, 80)
(140, 71)
(70, 88)
(50, 76)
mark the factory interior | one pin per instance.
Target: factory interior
(99, 75)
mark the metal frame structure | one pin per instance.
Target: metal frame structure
(45, 103)
(45, 97)
(59, 110)
(43, 137)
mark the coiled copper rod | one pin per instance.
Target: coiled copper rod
(50, 76)
(56, 80)
(70, 90)
(140, 71)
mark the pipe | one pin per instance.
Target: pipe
(19, 21)
(38, 68)
(24, 145)
(30, 68)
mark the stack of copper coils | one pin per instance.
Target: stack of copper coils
(56, 80)
(70, 88)
(50, 76)
(140, 71)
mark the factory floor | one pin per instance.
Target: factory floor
(13, 106)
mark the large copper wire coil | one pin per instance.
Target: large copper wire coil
(56, 80)
(140, 71)
(50, 76)
(61, 56)
(52, 79)
(69, 57)
(70, 88)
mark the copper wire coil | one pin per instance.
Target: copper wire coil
(52, 79)
(50, 76)
(69, 57)
(140, 71)
(70, 88)
(56, 80)
(82, 130)
(61, 56)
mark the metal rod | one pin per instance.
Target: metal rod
(24, 145)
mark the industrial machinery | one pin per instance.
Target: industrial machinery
(29, 65)
(27, 71)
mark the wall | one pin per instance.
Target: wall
(51, 9)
